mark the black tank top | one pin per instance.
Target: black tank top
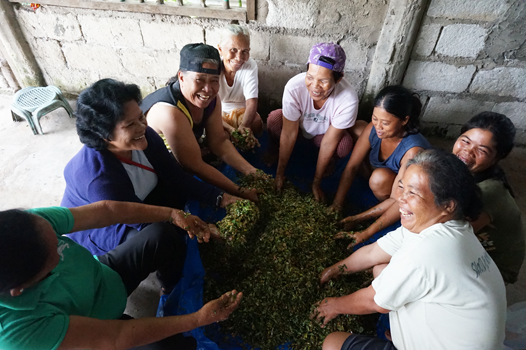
(171, 94)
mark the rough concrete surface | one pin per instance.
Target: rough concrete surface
(501, 81)
(454, 111)
(427, 39)
(437, 76)
(461, 40)
(485, 10)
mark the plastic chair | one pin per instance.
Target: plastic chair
(32, 103)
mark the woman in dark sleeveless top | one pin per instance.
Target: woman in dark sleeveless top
(187, 106)
(390, 140)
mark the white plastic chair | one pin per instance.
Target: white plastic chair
(32, 103)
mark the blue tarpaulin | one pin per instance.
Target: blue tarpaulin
(187, 296)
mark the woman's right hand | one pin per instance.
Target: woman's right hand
(349, 223)
(219, 309)
(228, 199)
(249, 193)
(329, 273)
(191, 224)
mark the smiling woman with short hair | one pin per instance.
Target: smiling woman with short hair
(238, 84)
(438, 284)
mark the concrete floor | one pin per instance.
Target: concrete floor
(32, 176)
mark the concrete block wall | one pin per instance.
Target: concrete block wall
(76, 47)
(470, 57)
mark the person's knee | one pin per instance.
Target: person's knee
(345, 146)
(381, 182)
(334, 341)
(275, 122)
(357, 129)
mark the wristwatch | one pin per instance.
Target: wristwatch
(219, 199)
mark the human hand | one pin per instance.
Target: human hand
(349, 223)
(249, 193)
(219, 309)
(251, 140)
(356, 237)
(191, 224)
(331, 272)
(334, 208)
(319, 196)
(325, 310)
(214, 233)
(228, 199)
(278, 183)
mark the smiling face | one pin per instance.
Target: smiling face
(199, 88)
(319, 83)
(418, 209)
(476, 149)
(386, 124)
(128, 134)
(235, 51)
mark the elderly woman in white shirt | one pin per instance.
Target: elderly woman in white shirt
(238, 82)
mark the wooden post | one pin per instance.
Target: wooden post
(203, 3)
(159, 2)
(226, 4)
(179, 2)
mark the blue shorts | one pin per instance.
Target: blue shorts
(364, 342)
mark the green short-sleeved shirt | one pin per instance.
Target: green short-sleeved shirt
(504, 237)
(79, 285)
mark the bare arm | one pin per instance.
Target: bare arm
(358, 155)
(90, 333)
(360, 302)
(221, 146)
(175, 127)
(106, 213)
(250, 112)
(288, 137)
(388, 210)
(328, 145)
(364, 258)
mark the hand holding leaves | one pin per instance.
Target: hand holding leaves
(191, 224)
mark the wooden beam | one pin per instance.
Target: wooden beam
(165, 9)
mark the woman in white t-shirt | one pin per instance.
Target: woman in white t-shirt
(440, 287)
(321, 103)
(238, 84)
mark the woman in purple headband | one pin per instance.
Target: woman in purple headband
(324, 105)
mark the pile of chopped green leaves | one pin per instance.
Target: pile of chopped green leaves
(278, 269)
(241, 218)
(244, 141)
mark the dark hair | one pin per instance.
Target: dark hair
(23, 252)
(335, 75)
(100, 107)
(402, 103)
(503, 131)
(450, 180)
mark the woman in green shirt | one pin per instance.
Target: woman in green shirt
(55, 295)
(486, 139)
